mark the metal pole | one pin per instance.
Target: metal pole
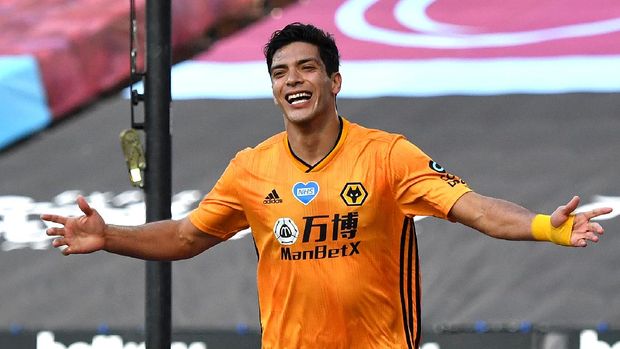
(158, 186)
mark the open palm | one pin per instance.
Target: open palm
(83, 234)
(584, 229)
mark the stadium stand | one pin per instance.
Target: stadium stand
(56, 56)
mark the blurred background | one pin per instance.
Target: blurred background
(519, 98)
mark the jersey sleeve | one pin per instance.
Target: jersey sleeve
(420, 185)
(220, 212)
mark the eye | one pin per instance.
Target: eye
(276, 74)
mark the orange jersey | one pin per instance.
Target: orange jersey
(337, 252)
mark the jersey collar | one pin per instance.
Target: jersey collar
(305, 167)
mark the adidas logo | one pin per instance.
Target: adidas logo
(272, 198)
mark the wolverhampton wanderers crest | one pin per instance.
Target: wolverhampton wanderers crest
(354, 194)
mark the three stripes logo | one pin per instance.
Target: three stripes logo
(272, 198)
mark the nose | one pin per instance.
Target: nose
(293, 78)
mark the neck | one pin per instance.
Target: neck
(313, 141)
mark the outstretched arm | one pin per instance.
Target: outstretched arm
(163, 240)
(506, 220)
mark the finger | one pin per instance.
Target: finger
(596, 228)
(66, 251)
(55, 232)
(597, 212)
(59, 242)
(581, 240)
(84, 206)
(571, 205)
(591, 237)
(54, 218)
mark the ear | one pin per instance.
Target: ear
(336, 83)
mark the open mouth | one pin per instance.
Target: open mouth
(298, 97)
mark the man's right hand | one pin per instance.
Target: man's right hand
(84, 234)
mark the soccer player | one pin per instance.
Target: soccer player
(330, 205)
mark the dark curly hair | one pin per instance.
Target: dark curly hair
(308, 33)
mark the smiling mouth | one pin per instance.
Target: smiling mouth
(299, 97)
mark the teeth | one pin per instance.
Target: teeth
(298, 97)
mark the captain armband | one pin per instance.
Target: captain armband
(542, 230)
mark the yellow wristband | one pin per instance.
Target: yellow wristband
(542, 230)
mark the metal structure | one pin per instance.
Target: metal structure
(157, 181)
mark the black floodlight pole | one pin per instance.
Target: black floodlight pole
(158, 174)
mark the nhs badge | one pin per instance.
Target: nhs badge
(305, 192)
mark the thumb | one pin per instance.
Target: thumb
(84, 206)
(560, 215)
(570, 206)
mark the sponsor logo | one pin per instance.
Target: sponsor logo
(344, 226)
(320, 252)
(286, 231)
(47, 340)
(354, 194)
(451, 179)
(417, 27)
(436, 167)
(272, 198)
(22, 228)
(324, 229)
(588, 339)
(305, 192)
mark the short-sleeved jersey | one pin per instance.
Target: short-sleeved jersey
(337, 252)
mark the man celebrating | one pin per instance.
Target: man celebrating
(331, 206)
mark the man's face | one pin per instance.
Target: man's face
(300, 84)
